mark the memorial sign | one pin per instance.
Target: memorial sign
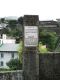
(30, 36)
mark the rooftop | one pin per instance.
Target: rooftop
(9, 47)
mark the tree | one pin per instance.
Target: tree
(14, 64)
(2, 20)
(20, 51)
(20, 20)
(12, 24)
(5, 31)
(49, 39)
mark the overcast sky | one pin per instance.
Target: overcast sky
(46, 9)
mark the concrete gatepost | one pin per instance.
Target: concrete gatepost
(30, 54)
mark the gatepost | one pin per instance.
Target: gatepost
(30, 54)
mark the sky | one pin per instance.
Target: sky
(46, 9)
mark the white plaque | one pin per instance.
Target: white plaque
(30, 36)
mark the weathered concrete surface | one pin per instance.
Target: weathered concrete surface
(11, 75)
(49, 66)
(30, 65)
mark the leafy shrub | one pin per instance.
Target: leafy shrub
(3, 69)
(20, 51)
(14, 64)
(42, 48)
(49, 38)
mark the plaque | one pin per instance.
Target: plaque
(30, 36)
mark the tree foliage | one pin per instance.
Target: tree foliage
(49, 39)
(20, 51)
(14, 29)
(12, 23)
(42, 48)
(14, 64)
(2, 20)
(20, 20)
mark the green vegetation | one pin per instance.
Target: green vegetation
(20, 51)
(14, 28)
(14, 64)
(42, 48)
(49, 39)
(4, 69)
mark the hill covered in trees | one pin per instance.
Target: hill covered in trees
(13, 28)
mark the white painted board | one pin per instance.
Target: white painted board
(30, 36)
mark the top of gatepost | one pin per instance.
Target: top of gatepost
(31, 20)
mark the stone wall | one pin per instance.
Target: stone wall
(49, 66)
(11, 75)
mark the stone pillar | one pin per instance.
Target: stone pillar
(30, 54)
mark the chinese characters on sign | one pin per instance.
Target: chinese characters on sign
(30, 36)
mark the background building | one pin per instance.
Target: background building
(8, 50)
